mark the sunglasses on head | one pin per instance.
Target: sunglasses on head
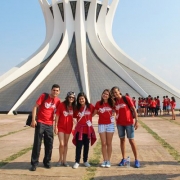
(71, 93)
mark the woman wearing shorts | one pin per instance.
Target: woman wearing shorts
(104, 108)
(64, 124)
(173, 105)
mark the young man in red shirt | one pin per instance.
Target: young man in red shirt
(44, 126)
(125, 123)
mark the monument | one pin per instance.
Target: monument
(80, 54)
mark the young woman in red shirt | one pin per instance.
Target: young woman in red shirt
(105, 109)
(84, 131)
(173, 105)
(63, 125)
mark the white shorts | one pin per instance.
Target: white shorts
(106, 128)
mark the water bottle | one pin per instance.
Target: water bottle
(128, 162)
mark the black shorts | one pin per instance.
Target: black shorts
(165, 108)
(153, 109)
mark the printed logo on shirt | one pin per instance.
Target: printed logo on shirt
(102, 110)
(119, 106)
(68, 113)
(81, 114)
(65, 113)
(50, 105)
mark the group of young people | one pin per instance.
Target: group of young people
(74, 115)
(151, 106)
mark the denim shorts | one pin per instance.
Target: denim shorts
(128, 129)
(110, 128)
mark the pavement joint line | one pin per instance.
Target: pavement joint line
(14, 156)
(13, 132)
(173, 152)
(172, 121)
(94, 161)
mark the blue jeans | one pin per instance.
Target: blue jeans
(128, 129)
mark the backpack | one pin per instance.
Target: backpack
(29, 118)
(126, 102)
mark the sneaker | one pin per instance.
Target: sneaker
(58, 164)
(103, 164)
(87, 164)
(122, 163)
(108, 164)
(76, 165)
(66, 164)
(33, 168)
(137, 164)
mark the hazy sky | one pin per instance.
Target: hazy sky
(146, 30)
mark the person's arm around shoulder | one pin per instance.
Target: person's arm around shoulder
(34, 112)
(94, 113)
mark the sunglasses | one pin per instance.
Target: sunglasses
(71, 97)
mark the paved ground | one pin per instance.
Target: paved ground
(156, 162)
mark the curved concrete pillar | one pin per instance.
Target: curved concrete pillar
(44, 53)
(58, 56)
(80, 34)
(49, 22)
(103, 54)
(118, 54)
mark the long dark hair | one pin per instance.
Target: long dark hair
(110, 99)
(173, 99)
(112, 89)
(66, 102)
(86, 100)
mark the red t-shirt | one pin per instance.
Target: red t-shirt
(134, 102)
(123, 113)
(142, 103)
(173, 104)
(153, 104)
(47, 109)
(149, 101)
(165, 102)
(65, 122)
(158, 102)
(87, 115)
(104, 112)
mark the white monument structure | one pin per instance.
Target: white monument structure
(80, 54)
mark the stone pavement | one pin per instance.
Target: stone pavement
(156, 162)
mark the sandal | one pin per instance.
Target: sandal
(58, 164)
(66, 164)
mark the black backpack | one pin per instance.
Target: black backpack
(29, 118)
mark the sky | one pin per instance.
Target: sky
(147, 30)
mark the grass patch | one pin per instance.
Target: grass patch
(94, 161)
(13, 132)
(167, 146)
(14, 156)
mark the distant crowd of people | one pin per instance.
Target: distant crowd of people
(151, 106)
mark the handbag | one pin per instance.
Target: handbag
(29, 118)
